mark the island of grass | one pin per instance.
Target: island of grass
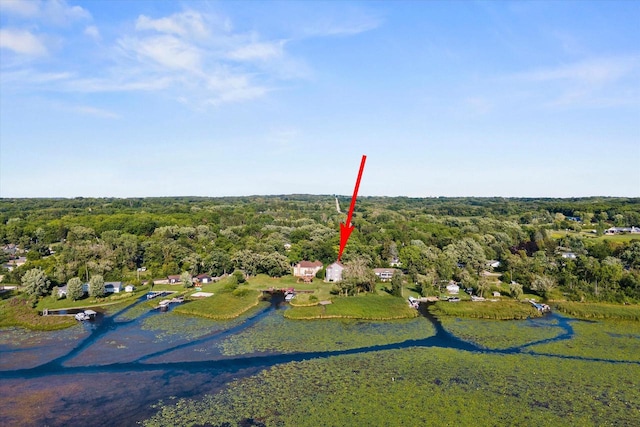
(497, 310)
(365, 307)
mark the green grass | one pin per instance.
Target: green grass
(418, 386)
(52, 302)
(17, 311)
(498, 310)
(599, 311)
(221, 306)
(371, 307)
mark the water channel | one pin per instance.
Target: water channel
(111, 371)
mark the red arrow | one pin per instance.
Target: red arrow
(346, 228)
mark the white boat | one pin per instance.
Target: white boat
(288, 297)
(81, 317)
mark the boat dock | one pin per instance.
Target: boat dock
(155, 294)
(164, 304)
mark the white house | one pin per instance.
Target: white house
(384, 274)
(306, 268)
(62, 290)
(113, 287)
(453, 288)
(334, 272)
(129, 288)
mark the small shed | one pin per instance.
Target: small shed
(129, 288)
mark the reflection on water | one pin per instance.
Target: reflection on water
(112, 370)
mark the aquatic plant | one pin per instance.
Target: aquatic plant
(277, 334)
(500, 334)
(609, 339)
(420, 386)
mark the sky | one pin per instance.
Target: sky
(219, 98)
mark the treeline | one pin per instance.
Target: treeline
(435, 239)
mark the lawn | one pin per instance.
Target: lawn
(51, 302)
(222, 305)
(17, 311)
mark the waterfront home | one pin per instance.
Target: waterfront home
(384, 274)
(129, 288)
(113, 287)
(173, 279)
(203, 278)
(306, 268)
(334, 272)
(453, 288)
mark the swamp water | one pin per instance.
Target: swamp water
(111, 371)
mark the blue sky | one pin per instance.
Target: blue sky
(210, 98)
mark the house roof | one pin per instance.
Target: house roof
(112, 284)
(336, 264)
(309, 264)
(203, 276)
(174, 276)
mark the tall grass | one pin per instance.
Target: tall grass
(599, 311)
(368, 307)
(499, 310)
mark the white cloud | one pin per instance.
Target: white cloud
(261, 51)
(595, 82)
(164, 50)
(93, 32)
(346, 26)
(22, 42)
(184, 24)
(25, 8)
(593, 71)
(56, 12)
(226, 87)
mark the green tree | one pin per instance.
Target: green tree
(544, 285)
(358, 273)
(396, 283)
(35, 282)
(516, 290)
(186, 279)
(74, 289)
(96, 286)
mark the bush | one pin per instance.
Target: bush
(239, 276)
(241, 292)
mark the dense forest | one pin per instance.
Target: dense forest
(578, 249)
